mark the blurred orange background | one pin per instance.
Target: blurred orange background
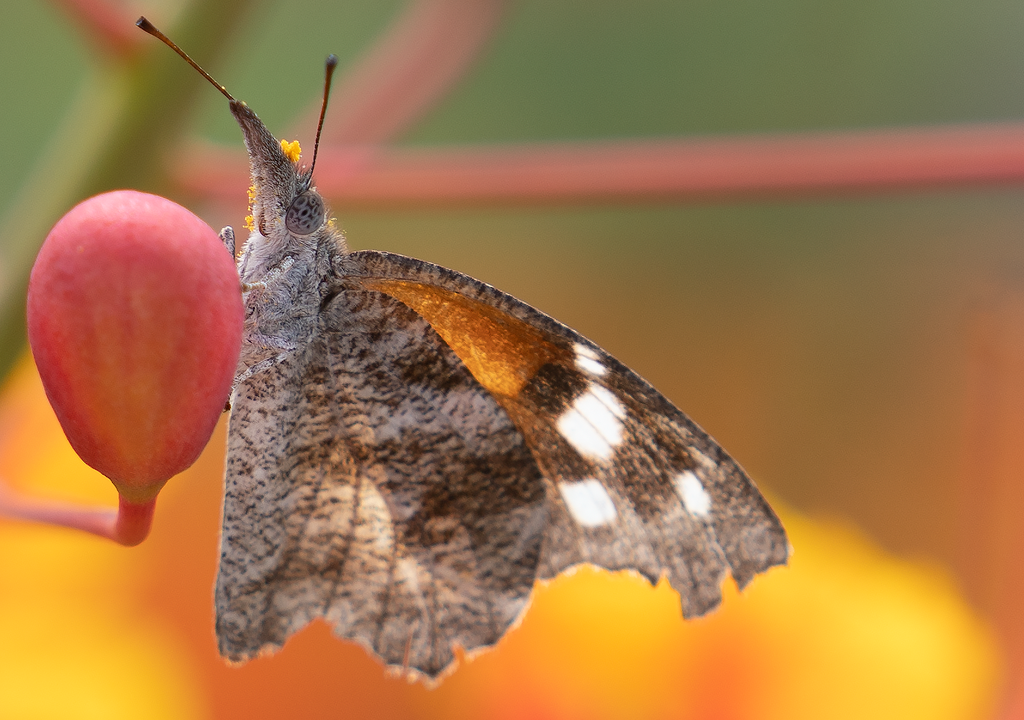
(860, 355)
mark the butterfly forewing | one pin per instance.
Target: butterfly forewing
(402, 503)
(631, 481)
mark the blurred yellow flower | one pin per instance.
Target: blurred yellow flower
(67, 652)
(846, 631)
(76, 638)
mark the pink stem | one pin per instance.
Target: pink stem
(413, 64)
(643, 170)
(110, 26)
(134, 521)
(128, 526)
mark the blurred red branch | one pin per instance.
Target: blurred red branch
(412, 65)
(109, 26)
(432, 43)
(630, 170)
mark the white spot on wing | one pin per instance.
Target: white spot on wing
(588, 361)
(695, 497)
(588, 502)
(583, 436)
(605, 397)
(593, 424)
(591, 367)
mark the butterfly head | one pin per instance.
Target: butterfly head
(283, 199)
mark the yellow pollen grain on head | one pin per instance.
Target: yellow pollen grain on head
(291, 150)
(250, 222)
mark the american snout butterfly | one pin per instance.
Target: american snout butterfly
(410, 449)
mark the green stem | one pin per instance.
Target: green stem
(117, 134)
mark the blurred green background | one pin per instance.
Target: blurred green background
(823, 342)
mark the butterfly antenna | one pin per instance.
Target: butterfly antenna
(332, 62)
(146, 25)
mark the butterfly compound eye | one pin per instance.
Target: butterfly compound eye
(305, 215)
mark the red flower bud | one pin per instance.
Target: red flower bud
(135, 320)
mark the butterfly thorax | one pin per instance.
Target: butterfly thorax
(289, 255)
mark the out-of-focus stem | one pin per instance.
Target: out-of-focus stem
(128, 526)
(413, 64)
(133, 522)
(115, 135)
(676, 170)
(991, 495)
(106, 24)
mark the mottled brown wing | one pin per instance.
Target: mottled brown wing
(438, 446)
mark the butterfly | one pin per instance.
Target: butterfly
(410, 449)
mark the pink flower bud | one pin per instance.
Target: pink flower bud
(135, 320)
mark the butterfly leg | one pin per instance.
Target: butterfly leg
(257, 368)
(270, 277)
(269, 342)
(227, 236)
(264, 342)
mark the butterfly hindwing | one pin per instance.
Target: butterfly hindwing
(373, 482)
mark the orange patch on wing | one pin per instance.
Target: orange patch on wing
(501, 351)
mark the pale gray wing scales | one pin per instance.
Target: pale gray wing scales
(373, 482)
(293, 509)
